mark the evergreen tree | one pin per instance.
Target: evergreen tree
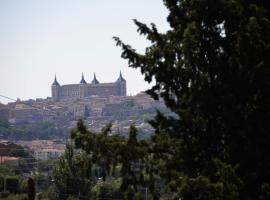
(212, 68)
(132, 155)
(70, 175)
(31, 189)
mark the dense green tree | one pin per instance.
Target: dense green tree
(31, 189)
(112, 166)
(212, 68)
(89, 159)
(100, 147)
(70, 175)
(107, 189)
(132, 158)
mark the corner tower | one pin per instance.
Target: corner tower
(121, 86)
(83, 88)
(56, 90)
(95, 81)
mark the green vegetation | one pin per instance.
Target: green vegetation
(9, 183)
(8, 196)
(40, 130)
(14, 184)
(212, 70)
(102, 166)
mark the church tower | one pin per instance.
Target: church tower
(83, 87)
(56, 90)
(121, 86)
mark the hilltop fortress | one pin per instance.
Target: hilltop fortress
(96, 103)
(86, 90)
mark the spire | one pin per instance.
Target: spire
(82, 81)
(95, 81)
(55, 83)
(120, 79)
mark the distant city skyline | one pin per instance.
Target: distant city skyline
(39, 39)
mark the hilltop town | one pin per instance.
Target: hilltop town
(98, 106)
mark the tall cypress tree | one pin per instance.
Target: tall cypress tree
(212, 68)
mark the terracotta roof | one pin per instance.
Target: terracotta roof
(7, 158)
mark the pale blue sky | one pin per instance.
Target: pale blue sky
(40, 38)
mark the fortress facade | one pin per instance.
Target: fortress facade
(86, 90)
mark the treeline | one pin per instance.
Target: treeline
(101, 165)
(39, 130)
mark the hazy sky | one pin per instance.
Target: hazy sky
(41, 38)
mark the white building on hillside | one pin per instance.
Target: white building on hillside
(45, 154)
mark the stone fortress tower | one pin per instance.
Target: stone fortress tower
(86, 90)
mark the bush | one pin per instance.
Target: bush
(12, 184)
(2, 180)
(72, 198)
(4, 194)
(105, 189)
(24, 186)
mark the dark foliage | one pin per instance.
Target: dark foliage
(212, 70)
(31, 189)
(41, 130)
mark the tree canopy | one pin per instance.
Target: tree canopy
(212, 68)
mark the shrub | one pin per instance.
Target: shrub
(4, 194)
(12, 184)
